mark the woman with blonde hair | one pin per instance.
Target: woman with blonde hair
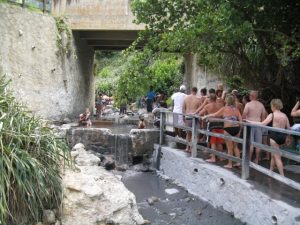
(280, 120)
(232, 114)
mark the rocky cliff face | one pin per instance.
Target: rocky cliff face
(93, 195)
(51, 83)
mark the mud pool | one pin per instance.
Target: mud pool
(162, 202)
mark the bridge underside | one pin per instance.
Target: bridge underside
(114, 40)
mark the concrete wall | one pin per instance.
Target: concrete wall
(198, 76)
(223, 188)
(96, 14)
(138, 142)
(51, 86)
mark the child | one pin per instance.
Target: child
(85, 118)
(141, 124)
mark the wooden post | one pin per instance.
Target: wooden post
(246, 152)
(161, 138)
(194, 137)
(23, 3)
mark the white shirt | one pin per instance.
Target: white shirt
(178, 99)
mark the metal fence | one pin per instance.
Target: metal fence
(44, 5)
(245, 161)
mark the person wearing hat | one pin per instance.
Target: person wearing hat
(177, 104)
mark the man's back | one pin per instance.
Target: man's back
(254, 111)
(191, 104)
(212, 107)
(178, 99)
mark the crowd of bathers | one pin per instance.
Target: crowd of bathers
(233, 108)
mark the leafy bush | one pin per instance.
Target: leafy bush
(30, 162)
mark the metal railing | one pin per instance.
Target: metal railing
(44, 5)
(245, 161)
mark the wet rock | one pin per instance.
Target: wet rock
(198, 212)
(48, 217)
(146, 222)
(122, 168)
(152, 200)
(171, 191)
(188, 199)
(66, 120)
(39, 223)
(109, 163)
(57, 222)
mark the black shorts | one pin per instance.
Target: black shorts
(233, 131)
(278, 137)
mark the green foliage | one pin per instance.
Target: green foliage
(30, 162)
(256, 40)
(129, 75)
(63, 45)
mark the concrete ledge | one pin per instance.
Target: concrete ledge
(222, 188)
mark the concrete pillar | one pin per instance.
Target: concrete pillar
(190, 61)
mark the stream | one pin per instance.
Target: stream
(162, 202)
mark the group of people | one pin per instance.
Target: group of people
(231, 107)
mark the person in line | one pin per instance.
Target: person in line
(255, 111)
(190, 105)
(216, 143)
(220, 86)
(280, 120)
(239, 105)
(296, 113)
(85, 118)
(150, 99)
(220, 101)
(231, 113)
(203, 99)
(177, 104)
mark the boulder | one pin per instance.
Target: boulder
(92, 195)
(82, 157)
(48, 217)
(109, 162)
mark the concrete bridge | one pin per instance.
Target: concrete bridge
(104, 24)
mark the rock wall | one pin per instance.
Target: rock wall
(198, 76)
(51, 85)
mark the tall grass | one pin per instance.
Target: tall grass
(30, 162)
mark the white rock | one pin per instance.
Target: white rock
(171, 191)
(48, 217)
(95, 196)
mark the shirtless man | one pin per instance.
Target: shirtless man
(256, 112)
(202, 98)
(212, 107)
(220, 101)
(190, 105)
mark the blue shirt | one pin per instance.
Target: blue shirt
(150, 95)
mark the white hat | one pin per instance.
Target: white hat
(182, 88)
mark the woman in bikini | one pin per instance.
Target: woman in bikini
(230, 112)
(280, 120)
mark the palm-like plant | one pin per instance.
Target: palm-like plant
(30, 160)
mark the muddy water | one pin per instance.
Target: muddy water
(163, 202)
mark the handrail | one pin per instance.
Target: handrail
(245, 141)
(44, 4)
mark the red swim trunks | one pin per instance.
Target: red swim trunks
(217, 140)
